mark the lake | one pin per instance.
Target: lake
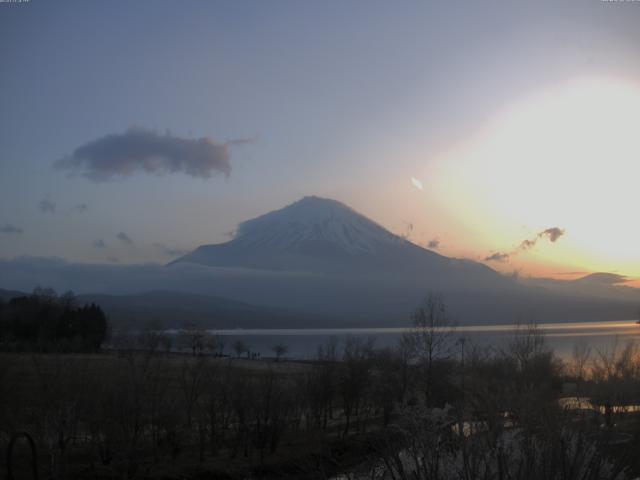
(303, 343)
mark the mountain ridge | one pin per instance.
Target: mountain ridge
(174, 309)
(326, 236)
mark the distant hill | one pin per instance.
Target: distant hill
(7, 295)
(174, 309)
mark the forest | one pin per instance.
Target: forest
(44, 321)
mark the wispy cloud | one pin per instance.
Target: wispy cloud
(497, 257)
(124, 238)
(117, 156)
(553, 234)
(81, 208)
(99, 243)
(434, 243)
(10, 229)
(46, 205)
(168, 251)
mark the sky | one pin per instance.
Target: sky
(131, 132)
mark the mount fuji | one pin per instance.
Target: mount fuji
(324, 236)
(318, 255)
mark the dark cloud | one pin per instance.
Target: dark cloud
(121, 155)
(553, 234)
(433, 243)
(498, 257)
(170, 252)
(124, 238)
(99, 243)
(8, 228)
(46, 205)
(81, 208)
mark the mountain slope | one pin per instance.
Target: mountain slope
(172, 309)
(326, 237)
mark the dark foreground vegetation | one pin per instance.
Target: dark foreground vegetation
(433, 407)
(46, 322)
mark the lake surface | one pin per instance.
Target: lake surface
(303, 343)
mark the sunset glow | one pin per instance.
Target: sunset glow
(566, 157)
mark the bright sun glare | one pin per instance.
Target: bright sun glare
(567, 158)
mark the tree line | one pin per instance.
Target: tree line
(45, 321)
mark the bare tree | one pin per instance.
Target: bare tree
(527, 344)
(192, 338)
(355, 378)
(193, 374)
(153, 337)
(279, 349)
(62, 384)
(615, 374)
(431, 337)
(321, 383)
(579, 361)
(214, 344)
(239, 347)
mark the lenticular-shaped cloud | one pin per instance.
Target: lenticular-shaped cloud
(417, 183)
(603, 278)
(139, 150)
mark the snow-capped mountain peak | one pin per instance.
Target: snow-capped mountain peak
(318, 236)
(314, 221)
